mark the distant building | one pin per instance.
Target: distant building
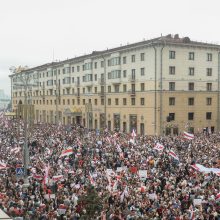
(160, 86)
(4, 100)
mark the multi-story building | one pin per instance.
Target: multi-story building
(159, 86)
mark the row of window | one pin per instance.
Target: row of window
(191, 101)
(191, 55)
(68, 101)
(191, 116)
(191, 71)
(191, 86)
(67, 91)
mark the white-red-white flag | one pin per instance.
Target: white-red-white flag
(3, 166)
(57, 178)
(133, 134)
(172, 154)
(159, 147)
(92, 181)
(66, 152)
(188, 135)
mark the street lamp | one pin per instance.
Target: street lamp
(25, 83)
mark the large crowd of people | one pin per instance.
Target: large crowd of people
(75, 173)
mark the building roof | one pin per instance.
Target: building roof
(165, 40)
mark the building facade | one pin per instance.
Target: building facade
(159, 86)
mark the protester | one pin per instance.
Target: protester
(135, 177)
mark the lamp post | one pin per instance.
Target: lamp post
(105, 104)
(25, 83)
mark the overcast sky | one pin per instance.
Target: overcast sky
(31, 30)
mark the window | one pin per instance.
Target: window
(209, 56)
(124, 73)
(209, 86)
(191, 86)
(78, 68)
(190, 101)
(172, 101)
(109, 102)
(172, 54)
(132, 58)
(124, 60)
(142, 101)
(191, 71)
(102, 101)
(208, 115)
(124, 101)
(96, 101)
(171, 86)
(190, 115)
(68, 102)
(72, 69)
(191, 55)
(95, 89)
(95, 77)
(116, 101)
(73, 101)
(209, 71)
(172, 116)
(84, 101)
(78, 101)
(142, 71)
(109, 89)
(172, 70)
(142, 87)
(63, 101)
(95, 65)
(132, 101)
(142, 56)
(124, 88)
(102, 63)
(133, 73)
(116, 88)
(208, 101)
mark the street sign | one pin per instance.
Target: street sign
(20, 171)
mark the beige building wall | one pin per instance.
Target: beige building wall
(152, 103)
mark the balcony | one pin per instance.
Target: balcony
(88, 83)
(101, 93)
(77, 84)
(131, 92)
(132, 79)
(115, 81)
(101, 81)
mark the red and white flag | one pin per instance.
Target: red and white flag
(172, 154)
(66, 152)
(188, 135)
(159, 147)
(38, 177)
(57, 178)
(133, 134)
(217, 196)
(92, 181)
(3, 166)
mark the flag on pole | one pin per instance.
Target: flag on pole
(159, 147)
(188, 135)
(133, 134)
